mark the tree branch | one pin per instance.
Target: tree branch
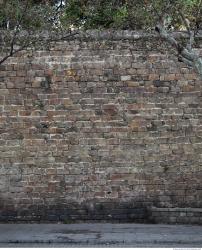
(189, 31)
(16, 32)
(32, 39)
(189, 57)
(13, 53)
(32, 43)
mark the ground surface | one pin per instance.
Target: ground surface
(111, 235)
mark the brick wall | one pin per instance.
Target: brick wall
(101, 127)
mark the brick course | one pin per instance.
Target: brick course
(101, 127)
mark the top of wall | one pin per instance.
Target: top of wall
(126, 34)
(108, 34)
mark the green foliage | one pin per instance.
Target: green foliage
(129, 14)
(120, 16)
(74, 14)
(99, 14)
(25, 14)
(103, 14)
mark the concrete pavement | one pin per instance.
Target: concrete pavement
(103, 234)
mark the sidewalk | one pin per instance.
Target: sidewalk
(112, 235)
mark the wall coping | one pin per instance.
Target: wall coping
(128, 34)
(110, 35)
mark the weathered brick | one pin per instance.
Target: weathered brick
(90, 132)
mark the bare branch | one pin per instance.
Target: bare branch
(185, 21)
(189, 31)
(15, 39)
(14, 36)
(191, 41)
(190, 57)
(32, 41)
(13, 53)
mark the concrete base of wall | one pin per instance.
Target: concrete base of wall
(176, 215)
